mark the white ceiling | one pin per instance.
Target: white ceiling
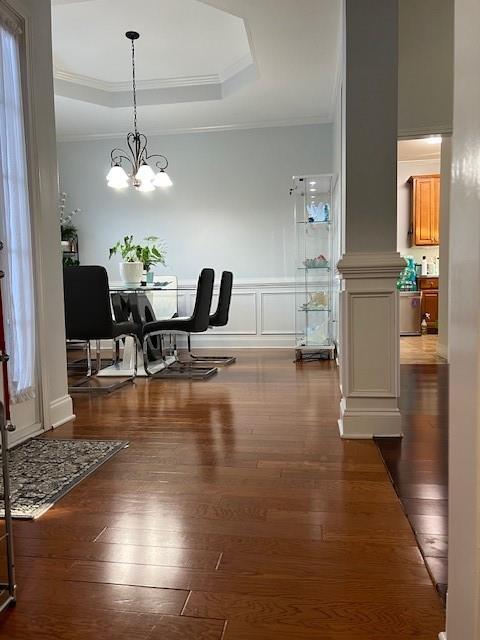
(418, 149)
(201, 64)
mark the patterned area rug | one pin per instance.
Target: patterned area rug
(42, 471)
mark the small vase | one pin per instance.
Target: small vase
(149, 277)
(131, 273)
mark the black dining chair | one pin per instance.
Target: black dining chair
(196, 323)
(218, 319)
(88, 316)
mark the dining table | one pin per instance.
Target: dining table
(142, 303)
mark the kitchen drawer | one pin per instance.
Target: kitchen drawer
(428, 283)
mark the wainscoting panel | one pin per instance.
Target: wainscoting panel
(277, 313)
(262, 314)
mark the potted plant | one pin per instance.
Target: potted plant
(131, 267)
(137, 258)
(150, 254)
(69, 237)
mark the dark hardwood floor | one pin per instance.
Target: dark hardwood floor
(236, 513)
(418, 463)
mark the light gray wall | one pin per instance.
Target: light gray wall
(425, 67)
(229, 206)
(370, 121)
(43, 187)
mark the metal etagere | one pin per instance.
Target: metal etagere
(313, 217)
(7, 567)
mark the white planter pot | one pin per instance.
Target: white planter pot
(131, 272)
(65, 244)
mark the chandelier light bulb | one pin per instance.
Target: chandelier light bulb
(145, 173)
(162, 179)
(117, 177)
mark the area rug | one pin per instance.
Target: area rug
(42, 471)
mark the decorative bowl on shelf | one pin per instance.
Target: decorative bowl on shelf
(320, 262)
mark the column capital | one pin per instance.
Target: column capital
(374, 264)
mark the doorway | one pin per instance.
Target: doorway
(418, 463)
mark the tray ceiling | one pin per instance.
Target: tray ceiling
(201, 64)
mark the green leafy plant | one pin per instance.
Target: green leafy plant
(127, 249)
(150, 253)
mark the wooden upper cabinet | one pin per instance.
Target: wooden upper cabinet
(425, 210)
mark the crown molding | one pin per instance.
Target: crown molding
(271, 124)
(236, 67)
(154, 83)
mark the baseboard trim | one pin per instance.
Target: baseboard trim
(365, 425)
(61, 411)
(442, 351)
(17, 437)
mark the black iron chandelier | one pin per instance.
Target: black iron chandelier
(140, 174)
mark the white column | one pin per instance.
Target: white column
(463, 601)
(443, 293)
(369, 359)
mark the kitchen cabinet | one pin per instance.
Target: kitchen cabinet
(429, 289)
(424, 210)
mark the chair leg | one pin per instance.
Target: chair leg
(116, 351)
(98, 355)
(89, 359)
(80, 387)
(222, 360)
(176, 369)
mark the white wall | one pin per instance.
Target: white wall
(463, 602)
(444, 282)
(229, 206)
(41, 157)
(425, 67)
(405, 170)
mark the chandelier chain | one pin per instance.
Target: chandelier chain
(134, 84)
(141, 175)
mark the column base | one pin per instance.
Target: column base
(368, 424)
(370, 345)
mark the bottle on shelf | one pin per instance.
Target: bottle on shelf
(424, 266)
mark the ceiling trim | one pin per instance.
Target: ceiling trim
(293, 122)
(156, 83)
(433, 158)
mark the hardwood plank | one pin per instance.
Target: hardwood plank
(368, 609)
(111, 597)
(185, 628)
(130, 553)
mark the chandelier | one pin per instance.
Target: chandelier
(139, 173)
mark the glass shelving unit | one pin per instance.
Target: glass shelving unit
(313, 216)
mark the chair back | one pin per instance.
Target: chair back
(220, 317)
(203, 301)
(88, 313)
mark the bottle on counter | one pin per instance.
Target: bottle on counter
(424, 326)
(424, 266)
